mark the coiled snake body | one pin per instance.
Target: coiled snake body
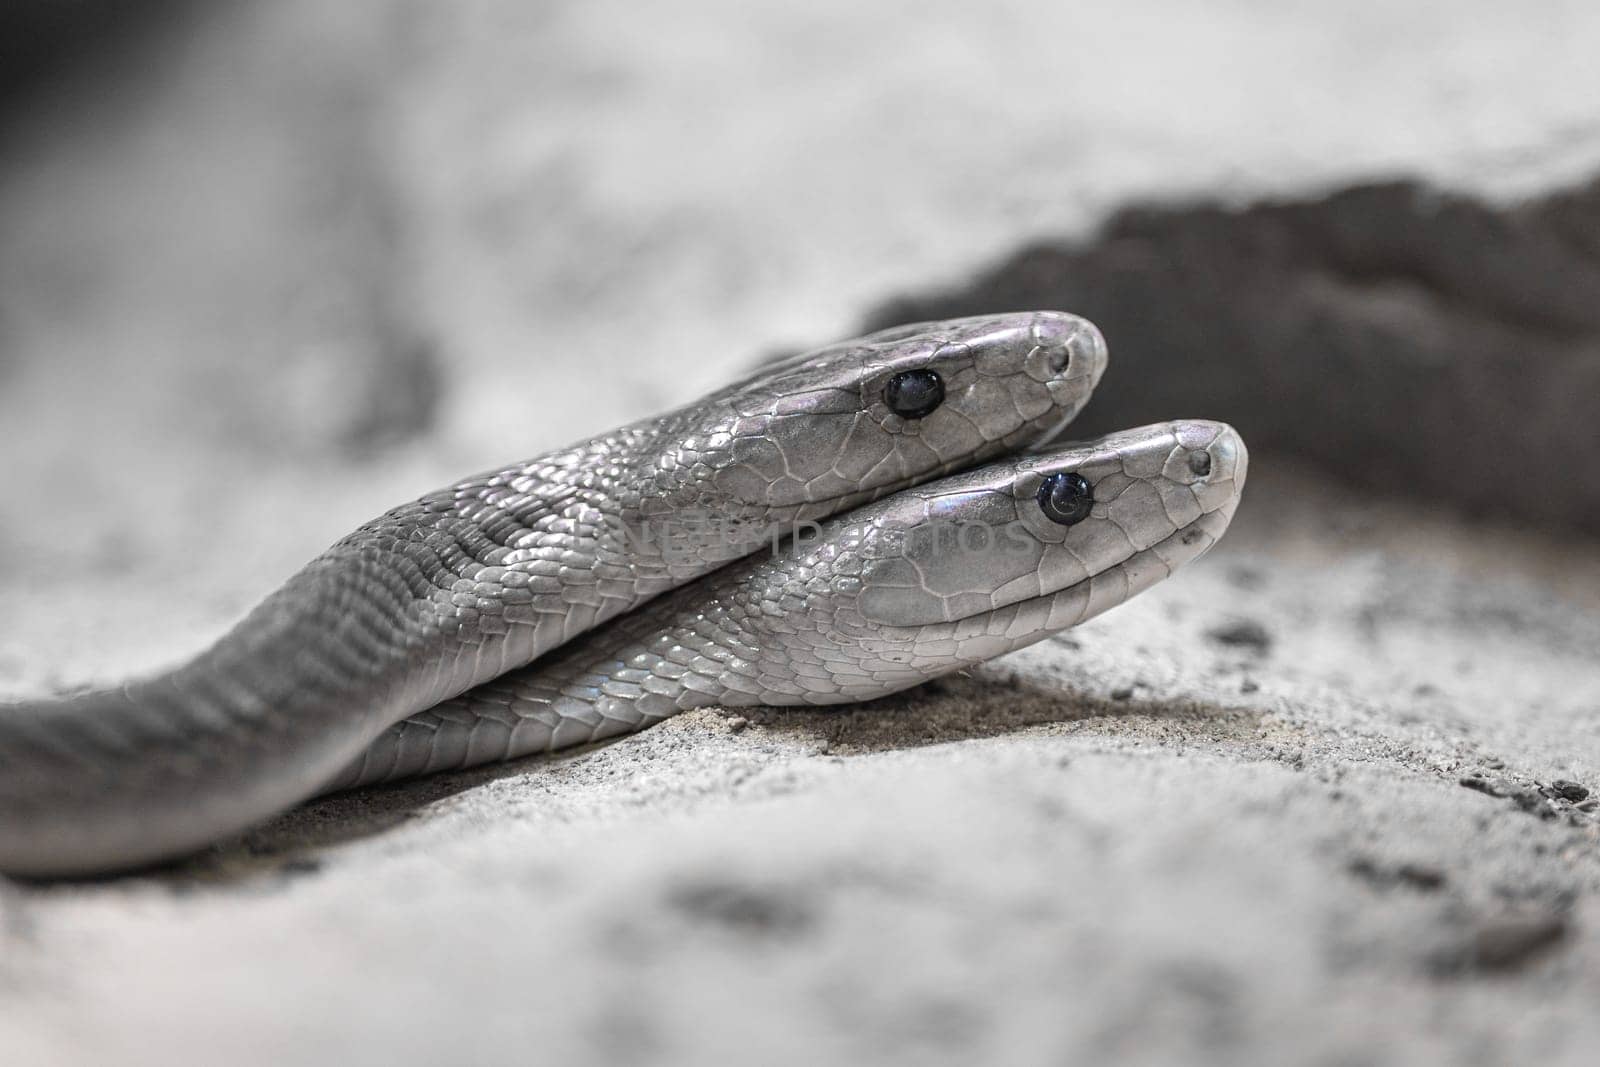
(473, 581)
(921, 583)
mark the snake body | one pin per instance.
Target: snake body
(928, 581)
(480, 578)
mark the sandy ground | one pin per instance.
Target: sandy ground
(1225, 823)
(1318, 799)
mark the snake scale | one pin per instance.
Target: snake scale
(372, 662)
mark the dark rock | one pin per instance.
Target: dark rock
(1526, 798)
(1360, 331)
(1506, 942)
(1246, 633)
(744, 909)
(1569, 790)
(300, 865)
(1533, 802)
(1418, 876)
(42, 39)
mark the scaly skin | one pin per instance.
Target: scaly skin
(477, 579)
(922, 583)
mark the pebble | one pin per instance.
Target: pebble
(1246, 633)
(1508, 942)
(1569, 790)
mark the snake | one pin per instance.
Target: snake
(928, 581)
(481, 578)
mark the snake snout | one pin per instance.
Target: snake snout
(1065, 347)
(1212, 460)
(1069, 356)
(1071, 344)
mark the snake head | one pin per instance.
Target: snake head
(1071, 531)
(826, 430)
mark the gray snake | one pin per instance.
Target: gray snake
(478, 579)
(919, 584)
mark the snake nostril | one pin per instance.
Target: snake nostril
(1056, 334)
(1200, 462)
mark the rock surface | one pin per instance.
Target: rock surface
(1402, 338)
(1326, 797)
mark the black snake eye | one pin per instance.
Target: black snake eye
(1066, 498)
(912, 394)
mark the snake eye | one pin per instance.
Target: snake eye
(914, 393)
(1066, 498)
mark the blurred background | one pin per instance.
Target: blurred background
(268, 269)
